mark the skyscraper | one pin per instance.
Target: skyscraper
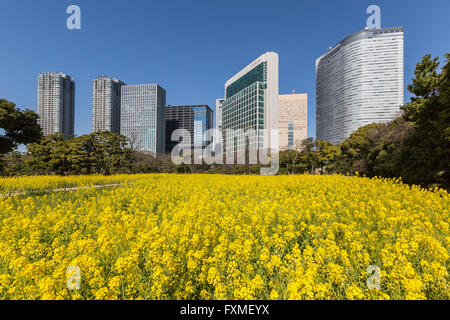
(359, 81)
(218, 139)
(292, 119)
(197, 119)
(251, 103)
(143, 117)
(106, 94)
(218, 113)
(56, 103)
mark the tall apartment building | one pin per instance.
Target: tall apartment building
(197, 119)
(292, 120)
(359, 81)
(106, 93)
(56, 103)
(251, 102)
(143, 117)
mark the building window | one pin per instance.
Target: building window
(291, 135)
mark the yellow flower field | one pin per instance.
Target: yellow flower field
(223, 237)
(39, 184)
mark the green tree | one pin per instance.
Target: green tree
(315, 154)
(50, 156)
(326, 154)
(17, 127)
(96, 153)
(354, 151)
(102, 153)
(13, 163)
(305, 162)
(384, 156)
(287, 161)
(426, 153)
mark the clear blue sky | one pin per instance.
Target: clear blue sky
(192, 47)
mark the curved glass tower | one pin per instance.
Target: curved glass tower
(358, 82)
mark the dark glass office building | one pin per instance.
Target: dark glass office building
(196, 119)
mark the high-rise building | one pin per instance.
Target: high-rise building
(56, 103)
(143, 117)
(251, 103)
(106, 94)
(197, 119)
(292, 120)
(218, 114)
(359, 81)
(218, 139)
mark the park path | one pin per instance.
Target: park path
(63, 189)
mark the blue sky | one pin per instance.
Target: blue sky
(192, 47)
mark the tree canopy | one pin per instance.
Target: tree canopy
(96, 153)
(17, 127)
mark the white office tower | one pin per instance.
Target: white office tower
(106, 94)
(251, 103)
(218, 113)
(358, 82)
(143, 117)
(56, 103)
(218, 125)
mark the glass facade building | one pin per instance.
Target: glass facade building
(197, 119)
(56, 103)
(106, 96)
(143, 117)
(291, 135)
(358, 82)
(251, 103)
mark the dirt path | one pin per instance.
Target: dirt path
(63, 189)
